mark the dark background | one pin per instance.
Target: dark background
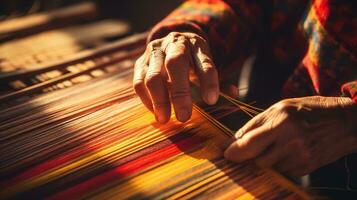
(141, 14)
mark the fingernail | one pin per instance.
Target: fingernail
(212, 97)
(160, 116)
(160, 119)
(183, 115)
(239, 134)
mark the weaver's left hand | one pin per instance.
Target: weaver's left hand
(297, 136)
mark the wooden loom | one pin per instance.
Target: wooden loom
(74, 129)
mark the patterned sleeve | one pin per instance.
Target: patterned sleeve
(225, 24)
(350, 89)
(330, 63)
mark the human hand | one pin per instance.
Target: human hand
(297, 136)
(161, 75)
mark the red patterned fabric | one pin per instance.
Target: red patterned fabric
(317, 39)
(350, 89)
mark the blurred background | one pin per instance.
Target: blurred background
(138, 13)
(37, 34)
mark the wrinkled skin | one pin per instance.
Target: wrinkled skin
(295, 136)
(161, 75)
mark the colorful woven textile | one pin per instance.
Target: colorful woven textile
(90, 142)
(315, 40)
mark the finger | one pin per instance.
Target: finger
(268, 159)
(250, 145)
(156, 87)
(138, 82)
(255, 122)
(205, 70)
(177, 65)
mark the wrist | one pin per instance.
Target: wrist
(165, 27)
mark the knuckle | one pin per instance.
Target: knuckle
(180, 48)
(289, 109)
(161, 104)
(182, 40)
(207, 60)
(208, 68)
(151, 79)
(194, 41)
(180, 93)
(154, 44)
(177, 47)
(174, 34)
(137, 85)
(173, 59)
(157, 54)
(197, 41)
(196, 38)
(285, 105)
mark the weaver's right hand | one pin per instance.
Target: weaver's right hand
(161, 75)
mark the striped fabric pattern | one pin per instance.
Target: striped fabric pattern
(87, 142)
